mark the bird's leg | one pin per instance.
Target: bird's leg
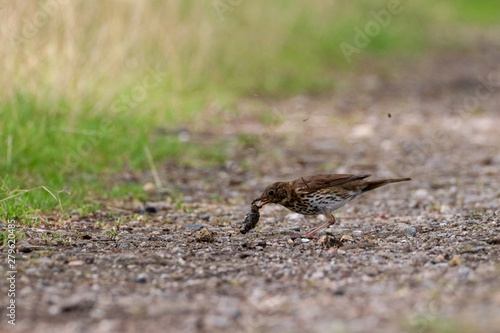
(330, 221)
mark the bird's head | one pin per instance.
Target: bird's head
(274, 193)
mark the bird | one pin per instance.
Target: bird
(320, 194)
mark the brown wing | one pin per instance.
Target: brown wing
(318, 182)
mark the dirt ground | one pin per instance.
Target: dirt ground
(421, 256)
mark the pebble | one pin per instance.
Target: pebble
(421, 193)
(204, 235)
(149, 187)
(411, 232)
(76, 263)
(218, 321)
(195, 227)
(205, 217)
(294, 217)
(305, 240)
(271, 220)
(326, 241)
(456, 261)
(319, 274)
(346, 238)
(151, 209)
(74, 303)
(141, 278)
(444, 209)
(439, 258)
(463, 272)
(339, 292)
(362, 131)
(25, 247)
(391, 239)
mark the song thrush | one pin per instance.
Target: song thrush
(320, 194)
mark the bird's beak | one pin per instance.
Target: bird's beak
(262, 202)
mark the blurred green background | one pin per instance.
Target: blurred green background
(86, 86)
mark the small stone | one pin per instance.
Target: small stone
(149, 188)
(205, 217)
(294, 217)
(326, 241)
(444, 209)
(411, 232)
(76, 263)
(151, 209)
(54, 310)
(271, 220)
(471, 249)
(339, 292)
(439, 258)
(463, 272)
(346, 238)
(362, 131)
(244, 255)
(141, 278)
(319, 274)
(262, 243)
(195, 227)
(393, 239)
(218, 321)
(74, 303)
(455, 261)
(305, 240)
(204, 235)
(493, 241)
(25, 247)
(421, 193)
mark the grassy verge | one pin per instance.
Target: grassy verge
(87, 87)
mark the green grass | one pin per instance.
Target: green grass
(92, 85)
(435, 324)
(484, 12)
(74, 156)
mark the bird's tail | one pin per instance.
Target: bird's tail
(373, 184)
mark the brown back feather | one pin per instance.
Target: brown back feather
(317, 182)
(373, 184)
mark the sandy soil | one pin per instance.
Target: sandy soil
(421, 256)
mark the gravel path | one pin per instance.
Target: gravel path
(421, 256)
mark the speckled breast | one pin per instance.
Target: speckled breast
(317, 203)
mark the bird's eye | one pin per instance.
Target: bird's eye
(271, 192)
